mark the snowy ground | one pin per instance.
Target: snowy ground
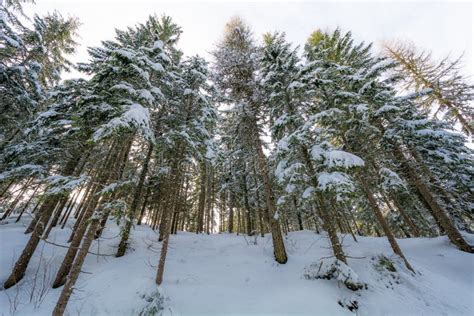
(224, 274)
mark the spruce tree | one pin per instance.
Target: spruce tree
(235, 66)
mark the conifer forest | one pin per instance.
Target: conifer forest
(325, 177)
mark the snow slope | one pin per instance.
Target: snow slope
(225, 273)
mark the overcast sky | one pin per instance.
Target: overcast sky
(442, 27)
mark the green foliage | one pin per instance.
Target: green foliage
(154, 304)
(386, 263)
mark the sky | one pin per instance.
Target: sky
(441, 27)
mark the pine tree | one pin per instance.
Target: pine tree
(32, 61)
(235, 67)
(350, 74)
(290, 90)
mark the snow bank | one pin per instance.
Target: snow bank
(226, 274)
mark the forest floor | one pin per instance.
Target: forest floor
(229, 274)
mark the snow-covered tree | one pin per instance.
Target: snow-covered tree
(235, 72)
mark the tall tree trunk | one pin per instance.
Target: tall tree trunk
(45, 213)
(248, 219)
(6, 188)
(328, 223)
(56, 216)
(202, 199)
(167, 226)
(230, 224)
(145, 202)
(450, 201)
(117, 175)
(69, 208)
(328, 226)
(413, 228)
(25, 207)
(17, 199)
(259, 210)
(277, 237)
(76, 241)
(383, 223)
(209, 199)
(135, 203)
(437, 211)
(298, 213)
(76, 269)
(78, 234)
(164, 250)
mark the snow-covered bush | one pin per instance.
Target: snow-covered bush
(385, 263)
(334, 269)
(155, 302)
(388, 270)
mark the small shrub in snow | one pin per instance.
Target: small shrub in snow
(155, 302)
(386, 263)
(386, 267)
(350, 304)
(334, 269)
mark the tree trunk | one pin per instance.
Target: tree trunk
(118, 169)
(328, 226)
(164, 251)
(209, 200)
(298, 213)
(202, 199)
(56, 217)
(413, 228)
(437, 211)
(230, 228)
(166, 227)
(76, 269)
(78, 234)
(247, 206)
(383, 223)
(145, 202)
(328, 223)
(277, 237)
(43, 216)
(69, 209)
(259, 210)
(17, 199)
(135, 203)
(7, 187)
(25, 207)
